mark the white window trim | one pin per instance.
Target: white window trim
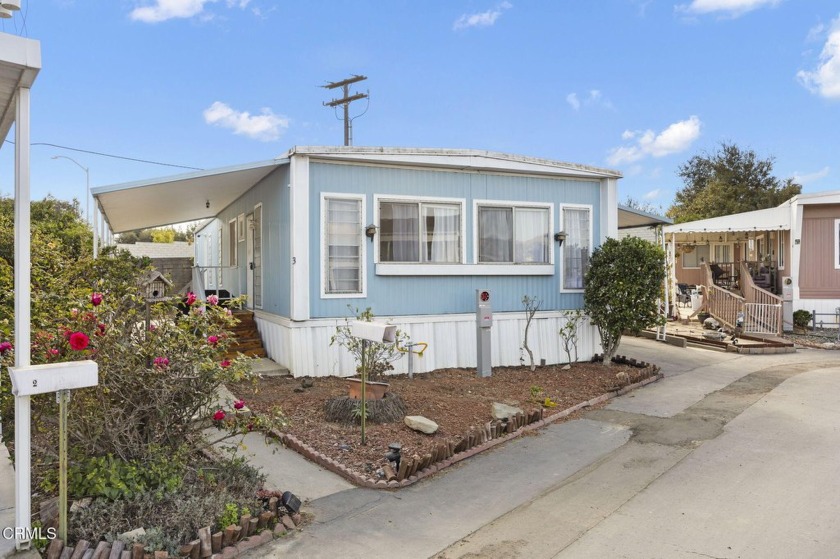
(562, 276)
(780, 249)
(233, 258)
(323, 247)
(507, 268)
(262, 253)
(836, 244)
(220, 271)
(419, 268)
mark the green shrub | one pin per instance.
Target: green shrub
(802, 318)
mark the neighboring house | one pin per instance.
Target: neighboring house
(174, 260)
(410, 233)
(795, 245)
(633, 222)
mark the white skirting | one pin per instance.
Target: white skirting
(304, 347)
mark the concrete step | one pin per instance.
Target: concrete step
(268, 368)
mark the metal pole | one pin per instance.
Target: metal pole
(364, 389)
(348, 140)
(63, 397)
(23, 313)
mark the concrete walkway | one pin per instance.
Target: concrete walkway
(536, 496)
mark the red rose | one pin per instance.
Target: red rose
(239, 404)
(219, 415)
(212, 340)
(224, 364)
(79, 341)
(96, 299)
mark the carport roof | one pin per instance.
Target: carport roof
(770, 219)
(20, 61)
(178, 199)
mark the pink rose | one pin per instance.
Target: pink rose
(161, 362)
(190, 298)
(224, 364)
(239, 404)
(212, 340)
(219, 415)
(6, 346)
(96, 299)
(79, 341)
(213, 300)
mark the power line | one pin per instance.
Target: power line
(112, 156)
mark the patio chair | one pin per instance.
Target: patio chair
(683, 295)
(720, 276)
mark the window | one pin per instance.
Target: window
(722, 253)
(342, 245)
(233, 245)
(694, 255)
(428, 232)
(577, 224)
(513, 234)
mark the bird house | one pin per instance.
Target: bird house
(154, 285)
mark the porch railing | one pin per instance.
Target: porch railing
(216, 274)
(763, 310)
(721, 303)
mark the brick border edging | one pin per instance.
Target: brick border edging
(324, 461)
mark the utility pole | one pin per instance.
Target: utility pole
(346, 100)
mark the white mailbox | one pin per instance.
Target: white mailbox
(373, 331)
(52, 377)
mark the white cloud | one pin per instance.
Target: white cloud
(162, 10)
(652, 194)
(825, 78)
(732, 8)
(482, 19)
(805, 178)
(265, 127)
(594, 97)
(676, 138)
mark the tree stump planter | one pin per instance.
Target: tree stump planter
(373, 390)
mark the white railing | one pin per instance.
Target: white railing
(200, 285)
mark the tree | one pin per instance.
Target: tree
(623, 285)
(728, 181)
(646, 207)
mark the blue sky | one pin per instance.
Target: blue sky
(634, 85)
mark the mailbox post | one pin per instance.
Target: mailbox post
(40, 379)
(377, 332)
(483, 324)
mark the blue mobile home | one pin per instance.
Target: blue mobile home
(410, 233)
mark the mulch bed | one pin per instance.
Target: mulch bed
(456, 399)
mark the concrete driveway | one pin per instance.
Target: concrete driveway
(728, 456)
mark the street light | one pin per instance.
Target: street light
(87, 183)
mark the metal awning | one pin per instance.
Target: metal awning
(20, 61)
(178, 199)
(631, 217)
(770, 219)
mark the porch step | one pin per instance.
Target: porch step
(248, 341)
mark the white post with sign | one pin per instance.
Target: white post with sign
(41, 379)
(378, 332)
(483, 324)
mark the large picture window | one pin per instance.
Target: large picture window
(512, 234)
(428, 232)
(343, 245)
(577, 248)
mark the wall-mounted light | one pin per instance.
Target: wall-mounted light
(370, 231)
(560, 237)
(207, 204)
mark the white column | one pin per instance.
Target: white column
(95, 230)
(609, 209)
(23, 312)
(299, 229)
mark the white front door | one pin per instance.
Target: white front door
(249, 257)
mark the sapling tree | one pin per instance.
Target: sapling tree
(623, 285)
(569, 333)
(532, 305)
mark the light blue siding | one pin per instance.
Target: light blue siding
(424, 295)
(273, 193)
